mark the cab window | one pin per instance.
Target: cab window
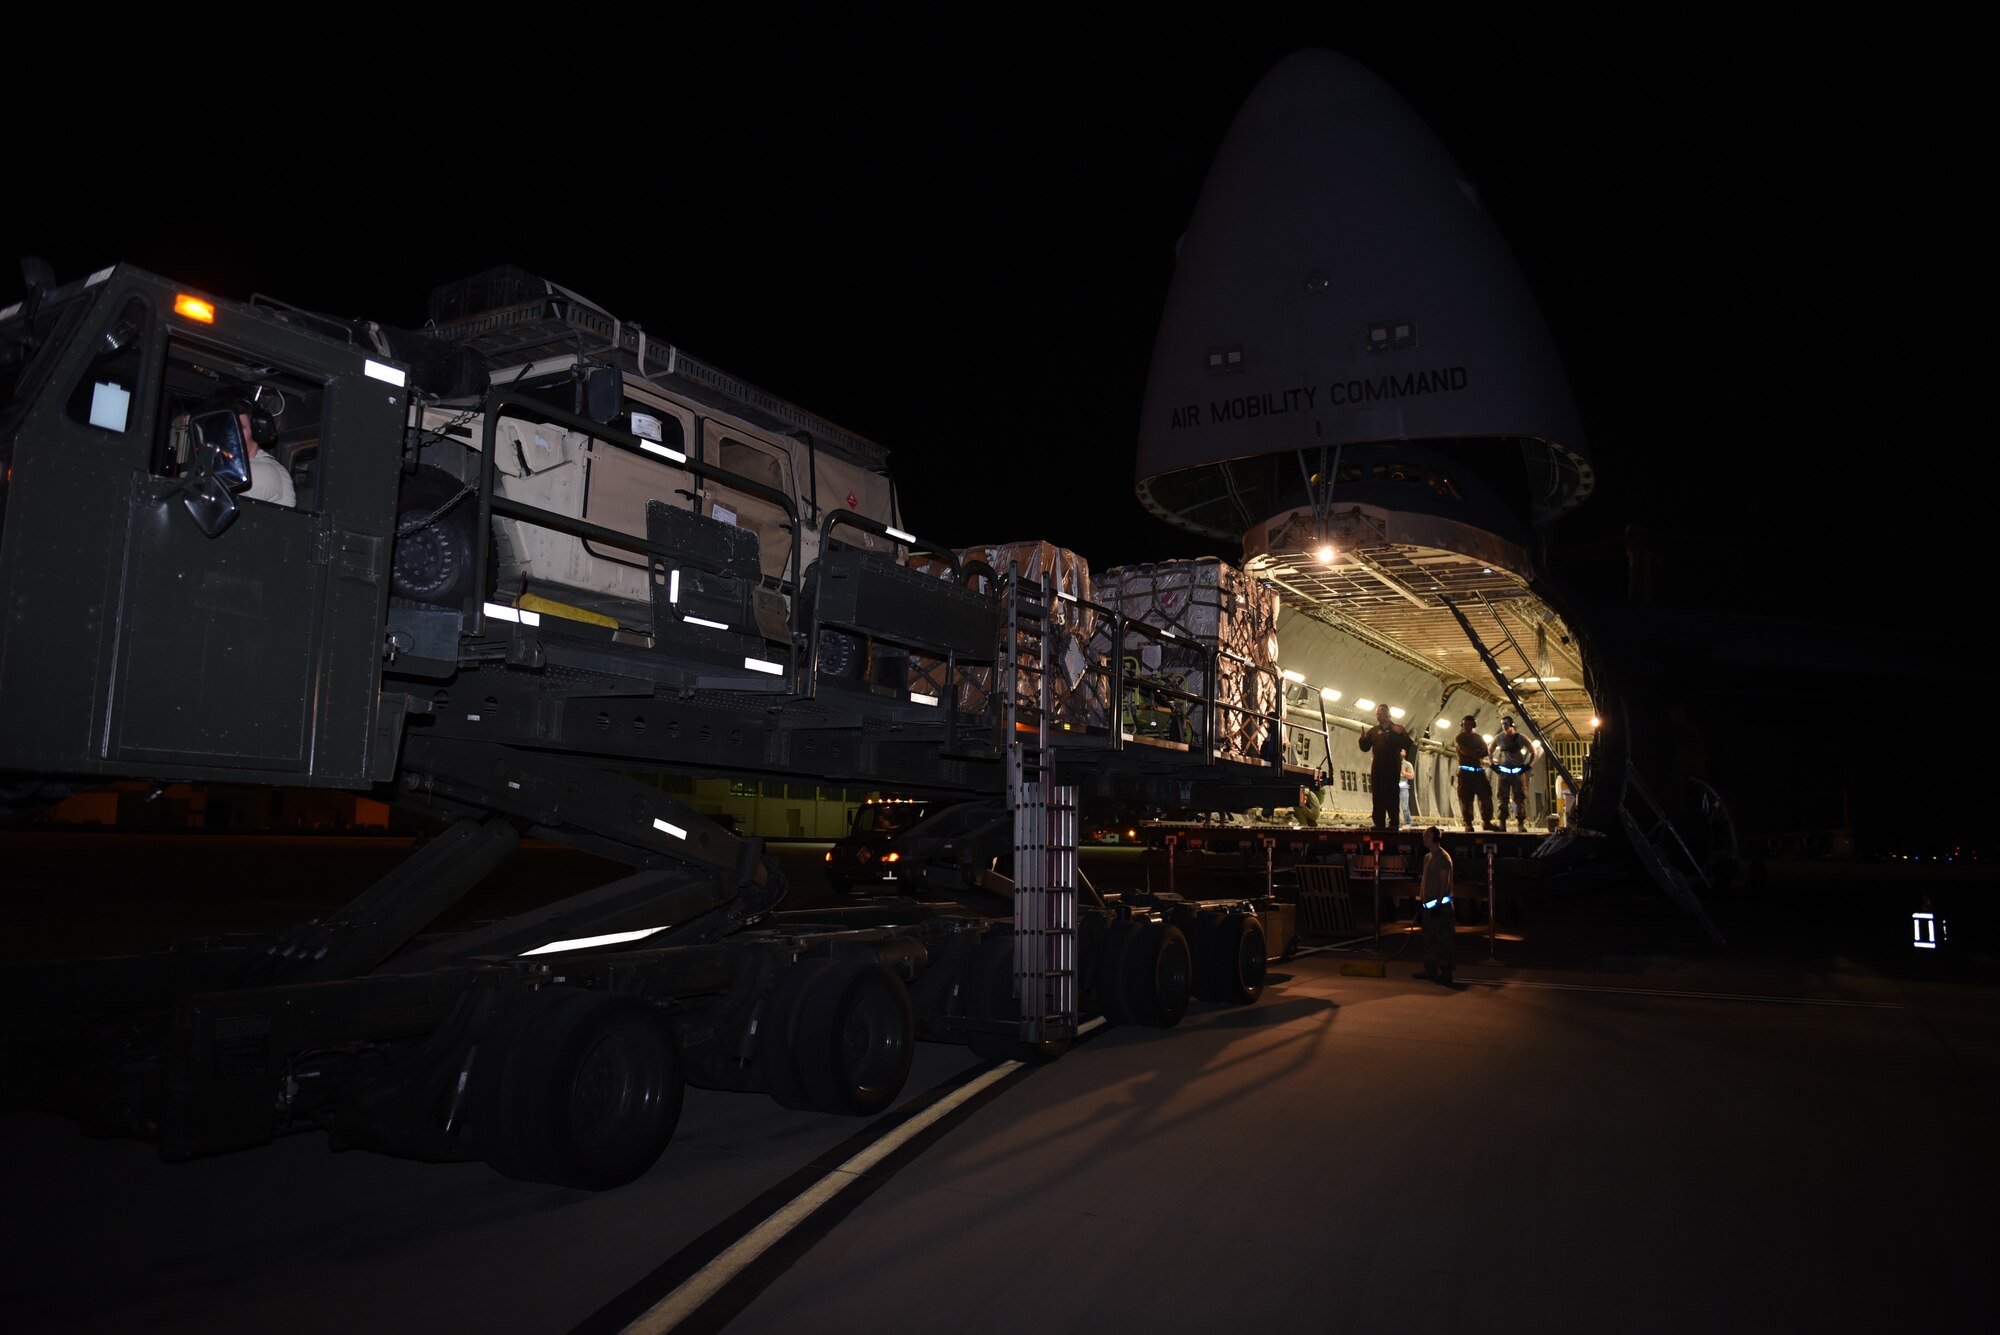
(30, 345)
(106, 394)
(289, 405)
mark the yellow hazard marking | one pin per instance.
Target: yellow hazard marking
(548, 607)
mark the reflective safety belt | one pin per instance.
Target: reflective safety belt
(1469, 769)
(1433, 903)
(1513, 769)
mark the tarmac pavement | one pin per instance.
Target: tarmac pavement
(1616, 1125)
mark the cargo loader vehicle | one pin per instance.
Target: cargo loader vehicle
(531, 564)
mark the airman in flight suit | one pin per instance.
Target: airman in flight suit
(1472, 786)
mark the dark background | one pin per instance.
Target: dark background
(1752, 239)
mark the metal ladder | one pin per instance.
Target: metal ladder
(1655, 841)
(1045, 826)
(1659, 846)
(1499, 675)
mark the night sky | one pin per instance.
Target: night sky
(1752, 241)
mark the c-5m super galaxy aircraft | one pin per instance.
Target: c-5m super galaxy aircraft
(1352, 378)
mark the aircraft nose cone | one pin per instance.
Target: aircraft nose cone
(1340, 283)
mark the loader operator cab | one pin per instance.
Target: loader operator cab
(140, 568)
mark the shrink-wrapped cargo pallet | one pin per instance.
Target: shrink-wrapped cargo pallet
(1079, 691)
(1213, 602)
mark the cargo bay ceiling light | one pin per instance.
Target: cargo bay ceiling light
(1395, 712)
(1328, 693)
(1364, 703)
(1290, 675)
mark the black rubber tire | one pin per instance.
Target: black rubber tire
(988, 993)
(490, 1094)
(856, 1038)
(434, 564)
(778, 1033)
(1160, 973)
(842, 654)
(1237, 963)
(588, 1091)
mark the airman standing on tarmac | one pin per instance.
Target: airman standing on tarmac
(1472, 786)
(1435, 915)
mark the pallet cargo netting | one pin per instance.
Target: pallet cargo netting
(1209, 600)
(1078, 696)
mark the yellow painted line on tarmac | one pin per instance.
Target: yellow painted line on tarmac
(706, 1282)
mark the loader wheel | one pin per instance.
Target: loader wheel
(1237, 964)
(433, 564)
(586, 1093)
(1158, 969)
(856, 1037)
(777, 1033)
(988, 993)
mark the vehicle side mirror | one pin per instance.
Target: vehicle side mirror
(603, 394)
(213, 508)
(219, 448)
(218, 464)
